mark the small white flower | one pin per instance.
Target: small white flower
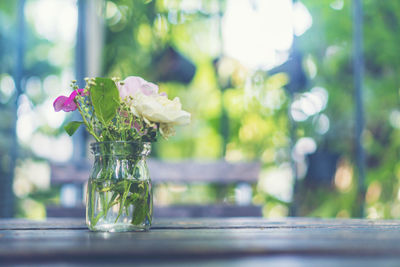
(166, 130)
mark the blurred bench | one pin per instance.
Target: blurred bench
(73, 177)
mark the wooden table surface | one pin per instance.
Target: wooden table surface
(204, 242)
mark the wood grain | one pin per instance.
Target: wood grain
(176, 211)
(201, 240)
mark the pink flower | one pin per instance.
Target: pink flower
(138, 127)
(67, 104)
(133, 84)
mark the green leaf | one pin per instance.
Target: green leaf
(139, 212)
(140, 205)
(105, 99)
(71, 127)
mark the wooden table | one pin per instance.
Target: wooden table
(204, 242)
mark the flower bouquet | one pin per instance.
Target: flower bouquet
(124, 117)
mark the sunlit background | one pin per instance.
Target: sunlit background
(268, 81)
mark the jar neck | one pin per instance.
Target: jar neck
(128, 149)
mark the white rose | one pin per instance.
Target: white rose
(158, 108)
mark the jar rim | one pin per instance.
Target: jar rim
(118, 142)
(118, 147)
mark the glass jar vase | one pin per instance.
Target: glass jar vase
(119, 196)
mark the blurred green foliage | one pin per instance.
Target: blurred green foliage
(240, 114)
(237, 114)
(137, 35)
(332, 56)
(36, 67)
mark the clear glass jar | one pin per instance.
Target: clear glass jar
(119, 196)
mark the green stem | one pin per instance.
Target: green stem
(125, 195)
(92, 197)
(88, 126)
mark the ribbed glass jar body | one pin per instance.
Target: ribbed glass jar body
(119, 196)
